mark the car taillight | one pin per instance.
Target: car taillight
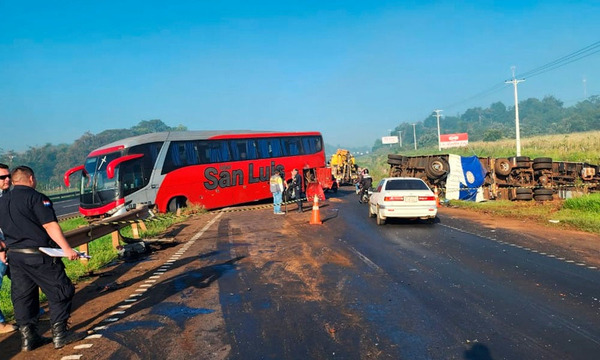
(393, 198)
(426, 198)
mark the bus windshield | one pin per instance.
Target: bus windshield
(96, 188)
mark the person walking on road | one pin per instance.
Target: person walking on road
(29, 222)
(4, 186)
(276, 187)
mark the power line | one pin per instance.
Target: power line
(562, 61)
(567, 59)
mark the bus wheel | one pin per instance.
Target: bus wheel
(176, 203)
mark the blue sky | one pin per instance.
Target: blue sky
(350, 69)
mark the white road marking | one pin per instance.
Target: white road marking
(365, 259)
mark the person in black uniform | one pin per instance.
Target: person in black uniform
(297, 186)
(29, 222)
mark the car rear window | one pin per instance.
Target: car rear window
(406, 184)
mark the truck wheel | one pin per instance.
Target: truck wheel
(520, 162)
(543, 197)
(396, 157)
(502, 167)
(436, 167)
(524, 191)
(543, 163)
(543, 191)
(524, 197)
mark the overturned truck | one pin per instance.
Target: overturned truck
(485, 178)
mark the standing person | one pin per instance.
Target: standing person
(29, 222)
(297, 186)
(276, 187)
(4, 186)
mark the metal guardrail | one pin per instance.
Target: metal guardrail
(84, 235)
(64, 196)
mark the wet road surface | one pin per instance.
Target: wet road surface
(406, 290)
(253, 285)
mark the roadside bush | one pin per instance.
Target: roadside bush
(589, 203)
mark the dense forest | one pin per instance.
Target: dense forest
(536, 117)
(51, 161)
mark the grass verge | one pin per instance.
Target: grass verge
(579, 213)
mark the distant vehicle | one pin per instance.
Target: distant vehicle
(170, 170)
(401, 197)
(343, 167)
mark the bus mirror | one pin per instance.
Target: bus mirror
(70, 172)
(110, 168)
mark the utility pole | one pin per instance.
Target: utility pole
(514, 81)
(584, 88)
(415, 135)
(400, 137)
(437, 115)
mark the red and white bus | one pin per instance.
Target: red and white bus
(213, 169)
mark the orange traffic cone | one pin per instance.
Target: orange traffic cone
(315, 218)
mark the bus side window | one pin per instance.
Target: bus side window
(239, 149)
(252, 149)
(203, 151)
(264, 148)
(292, 146)
(219, 151)
(309, 145)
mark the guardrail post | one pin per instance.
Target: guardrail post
(116, 237)
(135, 231)
(85, 249)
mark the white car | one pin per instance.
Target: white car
(402, 197)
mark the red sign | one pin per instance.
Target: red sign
(454, 140)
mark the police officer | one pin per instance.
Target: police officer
(29, 222)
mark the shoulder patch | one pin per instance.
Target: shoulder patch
(47, 203)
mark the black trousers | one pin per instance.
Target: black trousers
(29, 272)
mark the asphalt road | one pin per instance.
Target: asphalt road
(416, 291)
(253, 285)
(66, 207)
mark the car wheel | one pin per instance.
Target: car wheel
(380, 220)
(370, 211)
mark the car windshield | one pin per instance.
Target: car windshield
(405, 184)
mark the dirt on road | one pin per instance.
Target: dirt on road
(277, 255)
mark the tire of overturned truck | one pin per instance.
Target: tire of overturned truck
(520, 162)
(543, 197)
(396, 157)
(542, 163)
(502, 166)
(543, 191)
(524, 197)
(524, 191)
(436, 168)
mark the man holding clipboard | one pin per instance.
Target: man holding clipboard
(29, 222)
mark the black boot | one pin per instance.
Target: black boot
(60, 334)
(30, 339)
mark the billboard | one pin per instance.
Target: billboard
(454, 140)
(389, 140)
